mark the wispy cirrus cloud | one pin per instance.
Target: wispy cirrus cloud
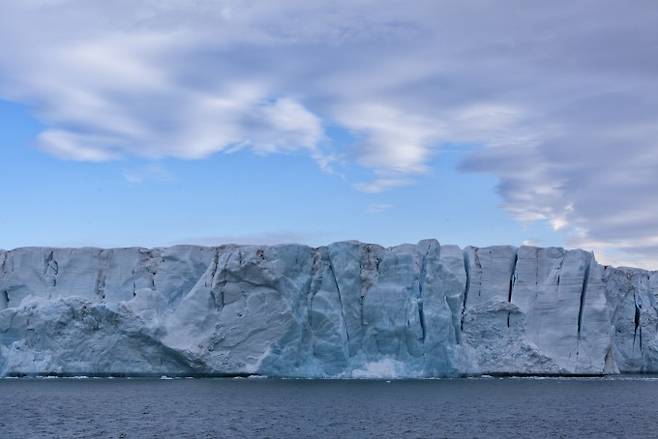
(150, 171)
(378, 208)
(560, 97)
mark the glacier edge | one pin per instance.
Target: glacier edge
(346, 310)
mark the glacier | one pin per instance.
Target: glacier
(346, 310)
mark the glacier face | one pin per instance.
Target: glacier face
(345, 310)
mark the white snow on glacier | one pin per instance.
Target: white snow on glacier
(345, 310)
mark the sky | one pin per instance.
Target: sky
(163, 122)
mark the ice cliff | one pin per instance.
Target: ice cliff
(345, 310)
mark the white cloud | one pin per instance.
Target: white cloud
(381, 184)
(390, 138)
(563, 113)
(264, 238)
(151, 171)
(70, 145)
(378, 208)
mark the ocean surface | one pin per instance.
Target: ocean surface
(274, 408)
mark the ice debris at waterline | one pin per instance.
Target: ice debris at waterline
(346, 310)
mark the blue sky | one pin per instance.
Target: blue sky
(236, 197)
(159, 122)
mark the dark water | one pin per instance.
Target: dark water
(260, 408)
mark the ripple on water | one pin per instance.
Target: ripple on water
(256, 408)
